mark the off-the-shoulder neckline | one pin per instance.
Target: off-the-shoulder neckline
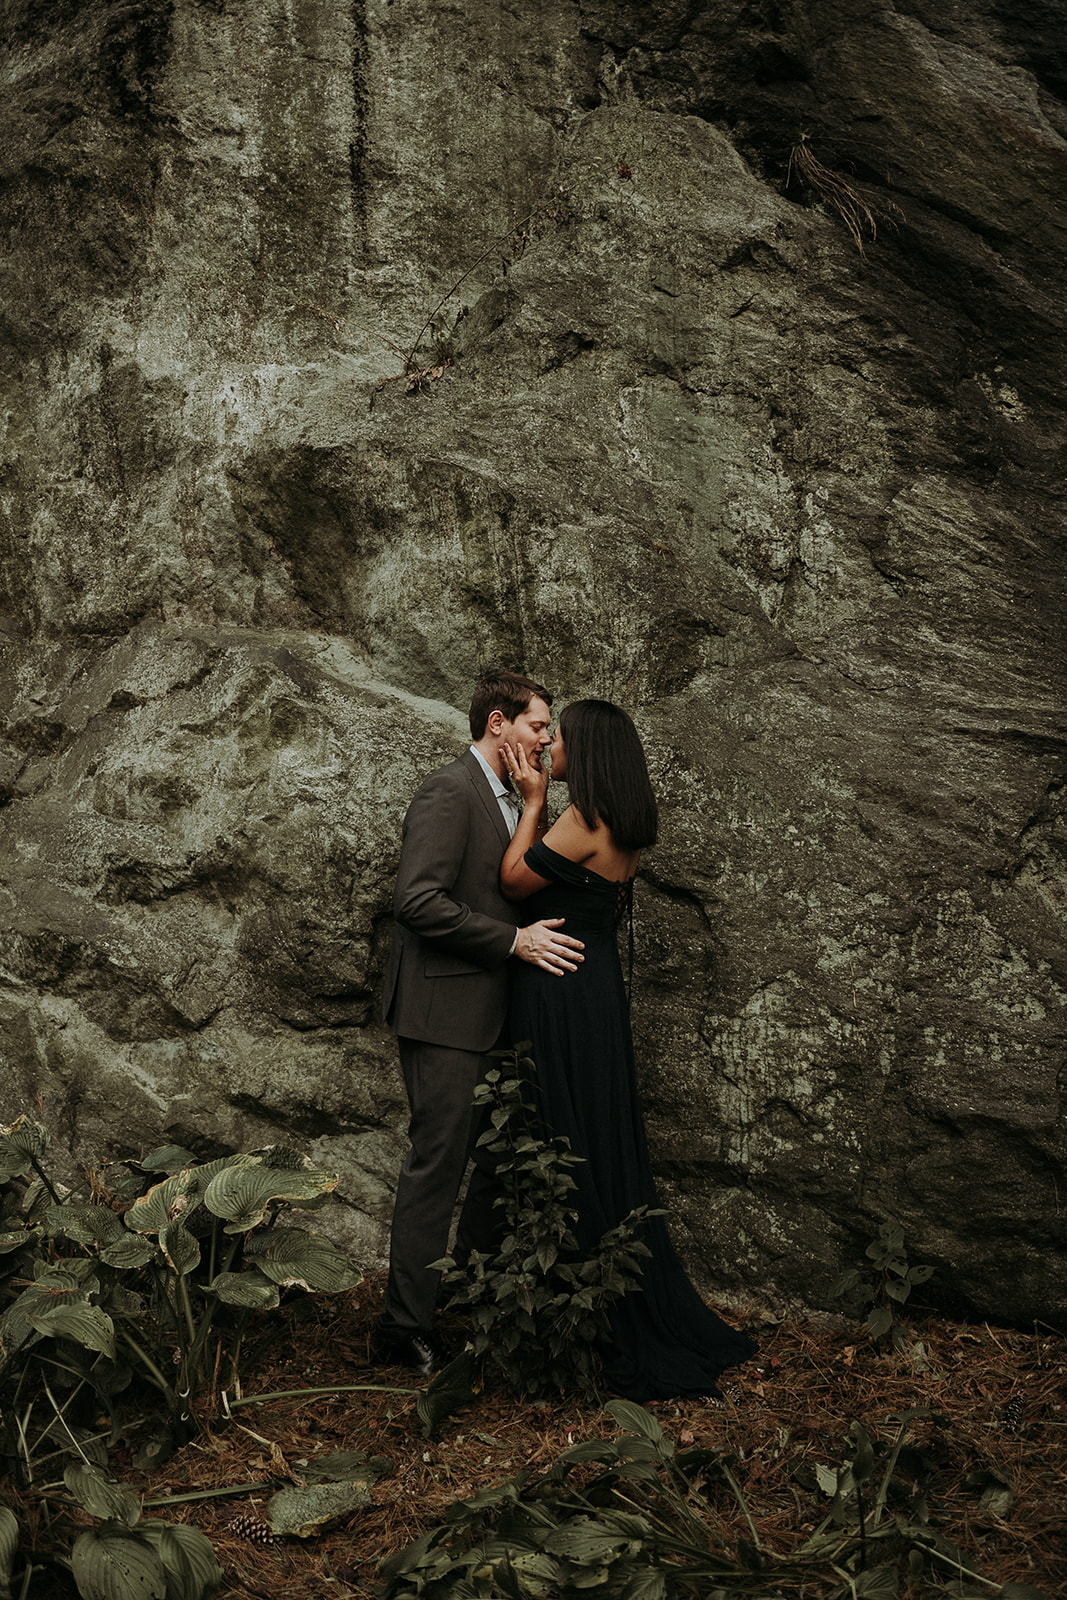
(579, 866)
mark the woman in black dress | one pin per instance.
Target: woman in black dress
(665, 1341)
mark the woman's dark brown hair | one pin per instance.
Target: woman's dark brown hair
(607, 774)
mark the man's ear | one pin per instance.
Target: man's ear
(495, 722)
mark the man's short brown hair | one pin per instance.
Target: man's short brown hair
(498, 690)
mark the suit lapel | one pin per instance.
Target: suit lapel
(480, 785)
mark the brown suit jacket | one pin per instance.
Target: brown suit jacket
(446, 977)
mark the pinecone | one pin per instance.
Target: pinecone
(1013, 1414)
(249, 1525)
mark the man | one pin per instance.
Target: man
(446, 992)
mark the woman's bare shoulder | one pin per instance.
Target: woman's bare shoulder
(571, 836)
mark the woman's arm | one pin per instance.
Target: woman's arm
(570, 835)
(517, 882)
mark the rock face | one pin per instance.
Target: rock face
(705, 356)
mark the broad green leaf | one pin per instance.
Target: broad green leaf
(534, 1565)
(101, 1496)
(77, 1269)
(648, 1584)
(249, 1289)
(85, 1324)
(52, 1289)
(878, 1583)
(454, 1386)
(116, 1563)
(180, 1248)
(15, 1241)
(203, 1175)
(298, 1258)
(635, 1419)
(163, 1203)
(169, 1158)
(9, 1542)
(93, 1225)
(242, 1194)
(21, 1142)
(189, 1564)
(587, 1542)
(132, 1250)
(879, 1320)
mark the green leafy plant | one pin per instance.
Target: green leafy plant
(122, 1557)
(633, 1519)
(886, 1283)
(539, 1309)
(155, 1279)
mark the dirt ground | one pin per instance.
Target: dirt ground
(997, 1487)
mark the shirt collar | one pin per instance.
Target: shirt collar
(496, 783)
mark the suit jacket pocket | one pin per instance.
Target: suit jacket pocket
(440, 965)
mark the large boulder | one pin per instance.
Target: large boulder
(708, 358)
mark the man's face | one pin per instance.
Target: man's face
(530, 730)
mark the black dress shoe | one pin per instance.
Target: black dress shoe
(417, 1349)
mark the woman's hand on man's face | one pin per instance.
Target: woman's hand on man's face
(529, 779)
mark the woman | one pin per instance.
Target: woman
(665, 1340)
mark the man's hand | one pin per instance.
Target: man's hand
(542, 946)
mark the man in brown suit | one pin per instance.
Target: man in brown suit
(446, 991)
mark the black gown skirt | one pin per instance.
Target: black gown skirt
(665, 1341)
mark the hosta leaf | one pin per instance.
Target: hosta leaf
(249, 1289)
(297, 1258)
(132, 1250)
(454, 1386)
(21, 1142)
(648, 1584)
(37, 1199)
(192, 1572)
(9, 1539)
(587, 1542)
(163, 1203)
(179, 1247)
(101, 1496)
(84, 1224)
(242, 1194)
(878, 1583)
(51, 1290)
(14, 1241)
(203, 1175)
(85, 1324)
(77, 1270)
(116, 1563)
(635, 1419)
(169, 1158)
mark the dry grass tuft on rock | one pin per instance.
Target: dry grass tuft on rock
(858, 215)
